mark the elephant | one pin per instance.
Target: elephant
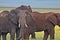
(37, 22)
(3, 21)
(30, 10)
(56, 14)
(8, 24)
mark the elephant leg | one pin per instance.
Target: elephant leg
(26, 37)
(12, 35)
(4, 36)
(33, 35)
(52, 34)
(45, 35)
(0, 36)
(17, 34)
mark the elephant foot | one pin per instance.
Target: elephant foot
(52, 39)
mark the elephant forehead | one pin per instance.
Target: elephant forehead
(22, 12)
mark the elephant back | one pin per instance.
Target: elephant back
(4, 16)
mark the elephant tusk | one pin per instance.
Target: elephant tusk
(19, 25)
(26, 25)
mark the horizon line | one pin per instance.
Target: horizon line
(16, 7)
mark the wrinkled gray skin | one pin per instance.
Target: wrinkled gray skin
(8, 24)
(3, 19)
(21, 13)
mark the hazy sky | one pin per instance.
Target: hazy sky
(33, 3)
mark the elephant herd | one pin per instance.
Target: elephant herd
(24, 22)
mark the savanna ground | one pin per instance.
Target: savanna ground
(39, 35)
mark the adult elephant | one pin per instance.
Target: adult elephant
(41, 22)
(21, 13)
(8, 24)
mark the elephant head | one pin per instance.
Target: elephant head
(18, 15)
(58, 18)
(55, 18)
(21, 12)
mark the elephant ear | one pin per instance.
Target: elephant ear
(29, 18)
(13, 16)
(53, 20)
(30, 9)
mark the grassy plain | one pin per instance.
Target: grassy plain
(39, 35)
